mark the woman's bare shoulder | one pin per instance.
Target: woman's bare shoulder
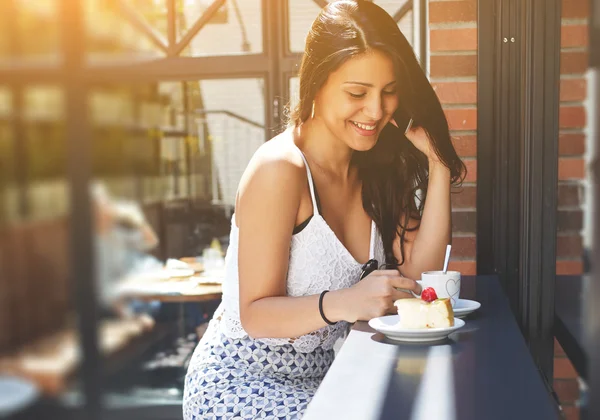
(276, 166)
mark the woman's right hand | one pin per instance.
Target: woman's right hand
(375, 295)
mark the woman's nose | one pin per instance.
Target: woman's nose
(374, 109)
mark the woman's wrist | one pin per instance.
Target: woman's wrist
(435, 162)
(335, 305)
(436, 167)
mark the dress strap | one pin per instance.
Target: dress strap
(372, 240)
(311, 184)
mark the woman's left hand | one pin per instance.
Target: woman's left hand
(419, 138)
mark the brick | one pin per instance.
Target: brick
(567, 390)
(453, 11)
(574, 36)
(573, 90)
(573, 9)
(563, 369)
(471, 165)
(573, 62)
(558, 350)
(569, 220)
(569, 246)
(571, 412)
(461, 119)
(465, 146)
(466, 268)
(454, 65)
(464, 222)
(458, 39)
(466, 197)
(464, 247)
(571, 144)
(569, 267)
(571, 168)
(568, 195)
(456, 92)
(572, 117)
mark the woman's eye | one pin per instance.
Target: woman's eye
(356, 95)
(389, 92)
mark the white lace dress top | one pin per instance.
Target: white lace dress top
(318, 261)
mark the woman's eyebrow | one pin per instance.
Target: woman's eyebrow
(367, 84)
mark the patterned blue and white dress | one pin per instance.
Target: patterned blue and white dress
(233, 376)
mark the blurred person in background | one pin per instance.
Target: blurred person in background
(123, 239)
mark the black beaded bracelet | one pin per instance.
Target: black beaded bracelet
(321, 308)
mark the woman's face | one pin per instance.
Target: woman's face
(358, 99)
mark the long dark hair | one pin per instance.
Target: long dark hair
(394, 173)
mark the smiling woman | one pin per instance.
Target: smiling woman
(333, 192)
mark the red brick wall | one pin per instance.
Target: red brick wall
(453, 71)
(572, 121)
(571, 172)
(565, 383)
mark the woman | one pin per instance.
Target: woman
(341, 186)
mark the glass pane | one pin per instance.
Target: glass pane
(112, 35)
(302, 13)
(406, 21)
(154, 13)
(36, 320)
(44, 135)
(232, 130)
(236, 28)
(294, 92)
(8, 196)
(189, 11)
(22, 22)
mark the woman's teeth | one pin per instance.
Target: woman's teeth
(365, 126)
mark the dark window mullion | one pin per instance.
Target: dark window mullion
(541, 27)
(81, 222)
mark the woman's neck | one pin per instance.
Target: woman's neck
(324, 150)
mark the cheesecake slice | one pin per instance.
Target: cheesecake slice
(418, 314)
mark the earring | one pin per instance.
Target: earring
(312, 113)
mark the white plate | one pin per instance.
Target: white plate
(464, 307)
(390, 327)
(15, 394)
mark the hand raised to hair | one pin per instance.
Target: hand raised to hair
(419, 138)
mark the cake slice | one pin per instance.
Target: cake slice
(417, 313)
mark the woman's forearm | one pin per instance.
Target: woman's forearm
(286, 316)
(429, 247)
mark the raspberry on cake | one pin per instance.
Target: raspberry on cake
(417, 313)
(429, 295)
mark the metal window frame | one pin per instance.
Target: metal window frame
(540, 89)
(83, 272)
(518, 103)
